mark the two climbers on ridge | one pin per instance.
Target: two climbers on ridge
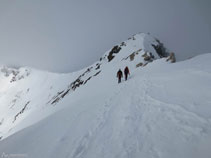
(120, 74)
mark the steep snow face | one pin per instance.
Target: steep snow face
(24, 92)
(163, 110)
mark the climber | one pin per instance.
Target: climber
(126, 72)
(119, 75)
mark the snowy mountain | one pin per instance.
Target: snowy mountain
(28, 95)
(163, 110)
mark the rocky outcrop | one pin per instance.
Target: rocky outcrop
(132, 55)
(24, 108)
(171, 58)
(139, 64)
(148, 57)
(17, 74)
(114, 50)
(160, 49)
(81, 80)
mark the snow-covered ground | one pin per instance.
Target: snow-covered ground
(162, 111)
(28, 95)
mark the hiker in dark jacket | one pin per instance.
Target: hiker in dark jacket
(119, 75)
(126, 72)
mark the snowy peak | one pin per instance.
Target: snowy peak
(137, 51)
(140, 49)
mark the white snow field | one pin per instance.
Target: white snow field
(162, 111)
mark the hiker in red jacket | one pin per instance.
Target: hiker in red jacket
(119, 75)
(126, 72)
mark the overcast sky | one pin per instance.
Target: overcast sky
(66, 35)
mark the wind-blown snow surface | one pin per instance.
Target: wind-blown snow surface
(163, 110)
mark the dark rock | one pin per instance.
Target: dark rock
(123, 44)
(132, 56)
(147, 58)
(171, 58)
(139, 64)
(87, 80)
(97, 66)
(97, 73)
(114, 50)
(21, 111)
(160, 49)
(63, 95)
(56, 100)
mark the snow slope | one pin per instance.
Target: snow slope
(163, 110)
(28, 95)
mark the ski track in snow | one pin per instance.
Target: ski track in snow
(85, 142)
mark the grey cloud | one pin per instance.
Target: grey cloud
(66, 35)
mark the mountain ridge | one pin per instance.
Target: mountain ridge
(139, 49)
(158, 112)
